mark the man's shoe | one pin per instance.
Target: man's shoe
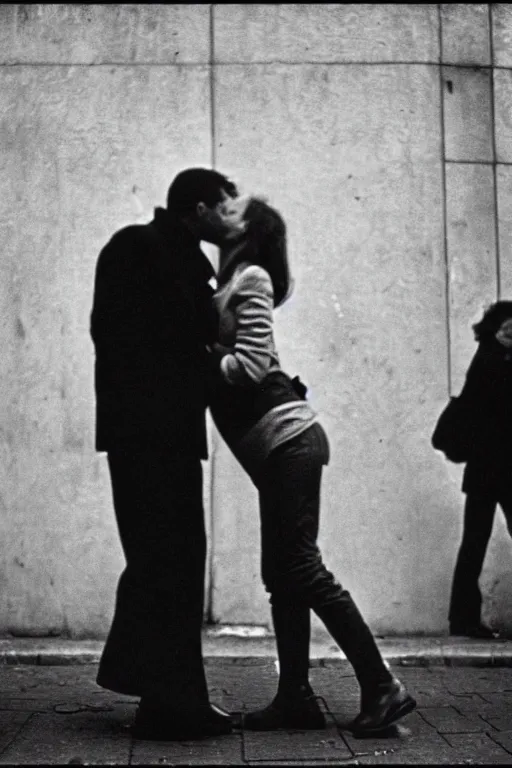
(390, 702)
(154, 723)
(219, 715)
(480, 631)
(300, 712)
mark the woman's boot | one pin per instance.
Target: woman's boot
(384, 699)
(295, 705)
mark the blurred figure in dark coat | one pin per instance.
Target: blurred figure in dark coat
(487, 478)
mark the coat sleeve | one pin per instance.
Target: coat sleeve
(251, 356)
(476, 385)
(119, 297)
(132, 349)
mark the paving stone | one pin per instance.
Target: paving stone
(325, 676)
(40, 680)
(342, 711)
(259, 685)
(224, 750)
(241, 687)
(253, 661)
(426, 755)
(503, 699)
(484, 708)
(10, 724)
(478, 748)
(468, 702)
(26, 705)
(304, 745)
(429, 689)
(410, 748)
(438, 699)
(340, 694)
(426, 690)
(501, 721)
(232, 669)
(471, 720)
(422, 673)
(345, 713)
(448, 720)
(98, 703)
(87, 736)
(504, 738)
(412, 731)
(299, 762)
(477, 681)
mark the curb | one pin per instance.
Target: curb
(246, 651)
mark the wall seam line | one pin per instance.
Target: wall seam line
(445, 204)
(212, 88)
(210, 618)
(495, 159)
(181, 64)
(478, 162)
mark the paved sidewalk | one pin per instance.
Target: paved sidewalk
(55, 714)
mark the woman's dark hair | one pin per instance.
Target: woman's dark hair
(197, 185)
(264, 244)
(493, 317)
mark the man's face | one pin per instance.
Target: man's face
(222, 222)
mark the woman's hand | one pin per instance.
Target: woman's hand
(504, 334)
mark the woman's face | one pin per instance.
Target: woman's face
(232, 212)
(504, 334)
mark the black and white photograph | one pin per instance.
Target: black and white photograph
(255, 384)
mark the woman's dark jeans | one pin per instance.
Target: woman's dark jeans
(292, 568)
(289, 491)
(479, 512)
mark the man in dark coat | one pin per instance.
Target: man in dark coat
(150, 323)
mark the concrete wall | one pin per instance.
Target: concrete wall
(384, 135)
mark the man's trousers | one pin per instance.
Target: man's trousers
(154, 645)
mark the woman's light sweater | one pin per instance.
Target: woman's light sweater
(245, 307)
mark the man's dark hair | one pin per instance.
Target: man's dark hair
(197, 185)
(492, 319)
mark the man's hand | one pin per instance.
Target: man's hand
(217, 352)
(504, 334)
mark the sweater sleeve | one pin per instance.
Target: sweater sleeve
(251, 356)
